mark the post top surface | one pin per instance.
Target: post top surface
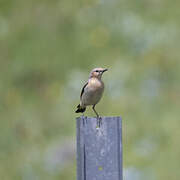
(103, 117)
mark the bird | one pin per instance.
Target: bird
(92, 92)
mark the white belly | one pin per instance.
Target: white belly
(92, 93)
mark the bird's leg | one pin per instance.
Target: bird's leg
(98, 117)
(95, 111)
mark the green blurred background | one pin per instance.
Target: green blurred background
(47, 49)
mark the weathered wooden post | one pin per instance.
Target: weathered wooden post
(99, 150)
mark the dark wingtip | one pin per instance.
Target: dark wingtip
(80, 110)
(77, 111)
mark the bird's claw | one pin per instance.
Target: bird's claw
(99, 121)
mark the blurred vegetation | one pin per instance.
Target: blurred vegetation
(47, 49)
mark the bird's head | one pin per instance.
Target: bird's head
(97, 72)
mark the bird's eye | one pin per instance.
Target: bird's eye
(97, 71)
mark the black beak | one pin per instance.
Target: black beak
(104, 70)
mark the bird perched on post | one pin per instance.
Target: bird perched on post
(92, 91)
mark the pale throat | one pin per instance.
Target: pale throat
(96, 82)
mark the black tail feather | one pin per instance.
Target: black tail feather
(80, 109)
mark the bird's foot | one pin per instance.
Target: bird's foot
(99, 121)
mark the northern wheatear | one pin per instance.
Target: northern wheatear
(92, 91)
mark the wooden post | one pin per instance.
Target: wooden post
(99, 149)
